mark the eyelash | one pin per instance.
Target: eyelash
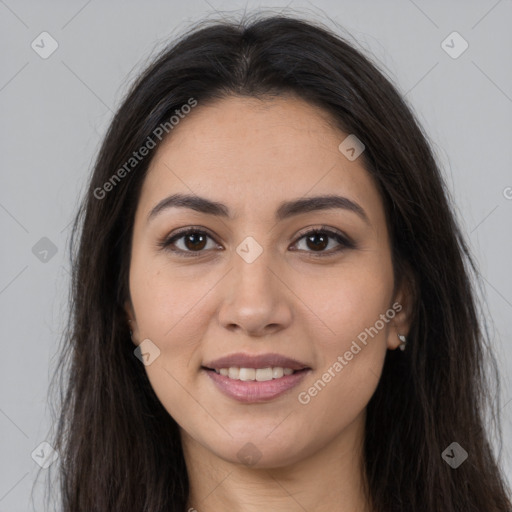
(344, 241)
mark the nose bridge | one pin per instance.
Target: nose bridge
(251, 270)
(255, 299)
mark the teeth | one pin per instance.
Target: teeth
(259, 374)
(247, 374)
(262, 374)
(277, 372)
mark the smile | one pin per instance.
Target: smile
(259, 374)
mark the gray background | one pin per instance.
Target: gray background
(56, 110)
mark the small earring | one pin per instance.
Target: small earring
(403, 342)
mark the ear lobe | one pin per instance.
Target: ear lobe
(399, 326)
(403, 307)
(132, 324)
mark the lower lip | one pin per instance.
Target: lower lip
(251, 391)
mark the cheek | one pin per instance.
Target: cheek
(349, 299)
(351, 360)
(169, 314)
(164, 301)
(335, 400)
(358, 305)
(355, 304)
(173, 311)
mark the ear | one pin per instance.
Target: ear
(403, 306)
(132, 323)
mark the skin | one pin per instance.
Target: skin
(251, 155)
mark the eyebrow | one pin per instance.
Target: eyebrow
(285, 210)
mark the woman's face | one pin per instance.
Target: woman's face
(248, 283)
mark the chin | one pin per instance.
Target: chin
(259, 453)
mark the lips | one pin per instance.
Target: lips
(241, 360)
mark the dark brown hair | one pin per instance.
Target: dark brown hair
(119, 448)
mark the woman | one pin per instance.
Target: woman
(271, 304)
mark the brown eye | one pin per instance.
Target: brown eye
(194, 241)
(188, 241)
(317, 240)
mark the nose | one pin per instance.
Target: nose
(256, 300)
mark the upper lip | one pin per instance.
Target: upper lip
(255, 361)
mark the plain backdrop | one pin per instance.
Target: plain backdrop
(55, 111)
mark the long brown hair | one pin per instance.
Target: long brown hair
(119, 448)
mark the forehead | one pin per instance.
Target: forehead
(252, 154)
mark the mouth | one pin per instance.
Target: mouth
(259, 378)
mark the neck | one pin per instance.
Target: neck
(329, 479)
